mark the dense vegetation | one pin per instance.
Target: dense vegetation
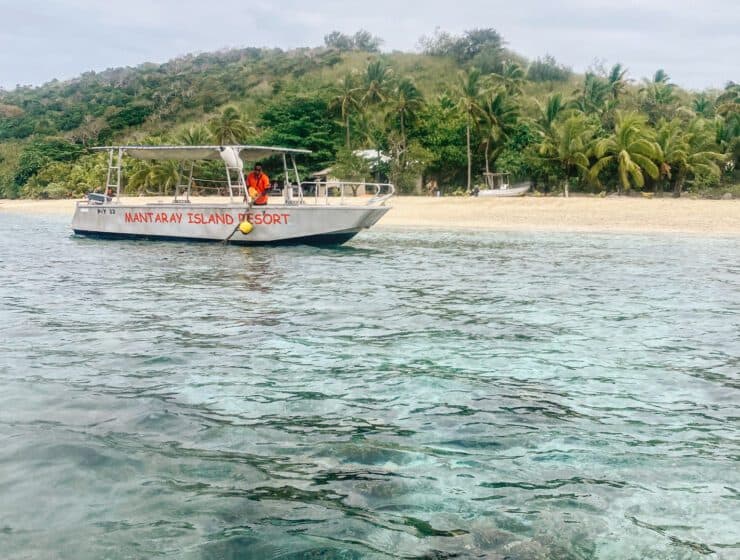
(464, 106)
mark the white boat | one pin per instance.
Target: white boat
(498, 184)
(328, 216)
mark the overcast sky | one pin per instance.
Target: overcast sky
(696, 42)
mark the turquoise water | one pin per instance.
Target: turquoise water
(412, 394)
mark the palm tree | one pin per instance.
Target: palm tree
(197, 135)
(657, 95)
(166, 175)
(230, 127)
(154, 176)
(594, 95)
(729, 101)
(632, 148)
(702, 157)
(660, 77)
(727, 136)
(548, 112)
(728, 125)
(702, 105)
(568, 144)
(500, 115)
(346, 99)
(469, 91)
(377, 83)
(617, 81)
(376, 88)
(673, 148)
(616, 85)
(372, 131)
(142, 178)
(511, 77)
(406, 102)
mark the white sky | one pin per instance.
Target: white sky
(697, 43)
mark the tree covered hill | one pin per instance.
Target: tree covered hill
(464, 105)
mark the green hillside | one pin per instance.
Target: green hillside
(535, 119)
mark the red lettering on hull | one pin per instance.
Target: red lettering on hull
(264, 218)
(201, 218)
(139, 217)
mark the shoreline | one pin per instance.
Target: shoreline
(557, 214)
(579, 214)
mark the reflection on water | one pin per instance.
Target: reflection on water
(419, 395)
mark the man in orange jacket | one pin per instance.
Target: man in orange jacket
(257, 184)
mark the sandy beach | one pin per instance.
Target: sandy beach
(586, 214)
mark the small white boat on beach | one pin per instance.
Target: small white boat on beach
(308, 212)
(498, 184)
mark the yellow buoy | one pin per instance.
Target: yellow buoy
(245, 227)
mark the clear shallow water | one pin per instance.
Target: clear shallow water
(413, 394)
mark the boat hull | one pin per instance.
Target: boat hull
(511, 191)
(273, 224)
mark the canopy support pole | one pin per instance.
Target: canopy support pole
(288, 188)
(190, 180)
(297, 178)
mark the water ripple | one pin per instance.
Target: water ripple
(413, 395)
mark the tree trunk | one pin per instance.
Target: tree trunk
(470, 163)
(678, 185)
(403, 133)
(377, 164)
(487, 144)
(347, 124)
(567, 194)
(651, 183)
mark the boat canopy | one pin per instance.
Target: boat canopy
(249, 153)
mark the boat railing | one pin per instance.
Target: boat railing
(344, 192)
(319, 192)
